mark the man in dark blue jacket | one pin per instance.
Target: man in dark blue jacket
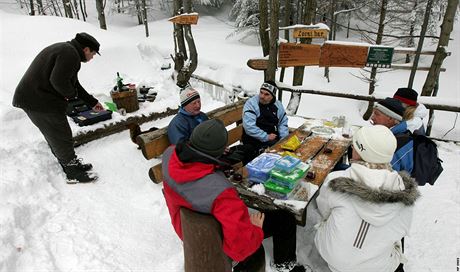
(189, 116)
(44, 91)
(389, 112)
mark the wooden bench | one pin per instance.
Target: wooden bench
(154, 143)
(202, 237)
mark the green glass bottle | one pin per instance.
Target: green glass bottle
(119, 82)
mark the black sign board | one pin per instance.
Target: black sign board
(379, 57)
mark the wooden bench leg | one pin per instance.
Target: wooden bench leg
(202, 237)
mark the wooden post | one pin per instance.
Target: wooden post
(202, 237)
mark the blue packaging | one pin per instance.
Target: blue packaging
(287, 163)
(259, 168)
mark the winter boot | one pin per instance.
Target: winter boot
(77, 172)
(289, 267)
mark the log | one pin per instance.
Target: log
(203, 239)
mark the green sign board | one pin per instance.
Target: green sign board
(379, 57)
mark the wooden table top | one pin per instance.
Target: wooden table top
(327, 151)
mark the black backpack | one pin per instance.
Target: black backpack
(427, 164)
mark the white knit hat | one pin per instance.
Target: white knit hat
(375, 144)
(188, 95)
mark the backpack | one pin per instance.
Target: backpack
(427, 164)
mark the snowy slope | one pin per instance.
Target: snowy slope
(121, 223)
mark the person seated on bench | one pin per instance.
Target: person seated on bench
(389, 113)
(366, 209)
(264, 121)
(192, 180)
(414, 112)
(189, 116)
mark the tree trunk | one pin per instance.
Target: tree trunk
(383, 9)
(76, 9)
(287, 18)
(101, 14)
(32, 8)
(274, 34)
(297, 80)
(429, 4)
(138, 11)
(67, 8)
(40, 7)
(144, 8)
(263, 25)
(411, 42)
(82, 9)
(446, 29)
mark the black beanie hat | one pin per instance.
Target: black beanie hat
(406, 95)
(270, 87)
(210, 137)
(86, 40)
(391, 107)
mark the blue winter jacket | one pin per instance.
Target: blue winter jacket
(249, 119)
(181, 126)
(403, 159)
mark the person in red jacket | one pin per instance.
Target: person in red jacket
(192, 180)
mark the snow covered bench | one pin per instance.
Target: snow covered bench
(154, 143)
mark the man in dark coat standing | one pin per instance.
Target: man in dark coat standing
(43, 93)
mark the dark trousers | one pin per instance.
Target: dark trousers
(56, 130)
(280, 225)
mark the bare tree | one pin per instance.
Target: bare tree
(441, 54)
(144, 15)
(263, 25)
(68, 8)
(378, 40)
(101, 14)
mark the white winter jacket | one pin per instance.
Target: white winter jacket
(365, 214)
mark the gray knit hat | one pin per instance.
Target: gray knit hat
(188, 95)
(210, 137)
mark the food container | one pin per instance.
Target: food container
(259, 168)
(289, 180)
(287, 164)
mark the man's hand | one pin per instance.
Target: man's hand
(271, 137)
(98, 107)
(257, 219)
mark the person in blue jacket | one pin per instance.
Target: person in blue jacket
(264, 121)
(389, 112)
(189, 116)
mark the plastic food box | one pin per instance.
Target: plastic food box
(259, 168)
(289, 179)
(286, 164)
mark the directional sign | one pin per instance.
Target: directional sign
(185, 19)
(310, 33)
(258, 64)
(343, 55)
(380, 57)
(295, 54)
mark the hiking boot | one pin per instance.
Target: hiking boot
(78, 163)
(289, 267)
(75, 172)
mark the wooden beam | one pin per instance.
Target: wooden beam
(367, 98)
(406, 67)
(155, 173)
(234, 135)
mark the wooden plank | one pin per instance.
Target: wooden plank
(343, 55)
(156, 174)
(419, 68)
(294, 54)
(153, 143)
(258, 64)
(228, 114)
(235, 134)
(185, 19)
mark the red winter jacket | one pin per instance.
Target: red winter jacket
(241, 237)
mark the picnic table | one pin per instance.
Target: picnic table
(321, 151)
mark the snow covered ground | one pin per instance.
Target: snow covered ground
(121, 222)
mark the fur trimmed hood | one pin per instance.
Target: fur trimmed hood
(378, 196)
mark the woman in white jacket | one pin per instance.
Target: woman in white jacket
(366, 209)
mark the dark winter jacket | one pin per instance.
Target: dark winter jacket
(52, 79)
(181, 126)
(194, 183)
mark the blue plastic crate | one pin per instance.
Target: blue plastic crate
(259, 168)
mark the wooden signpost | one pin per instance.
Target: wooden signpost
(310, 33)
(295, 54)
(258, 64)
(343, 55)
(185, 19)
